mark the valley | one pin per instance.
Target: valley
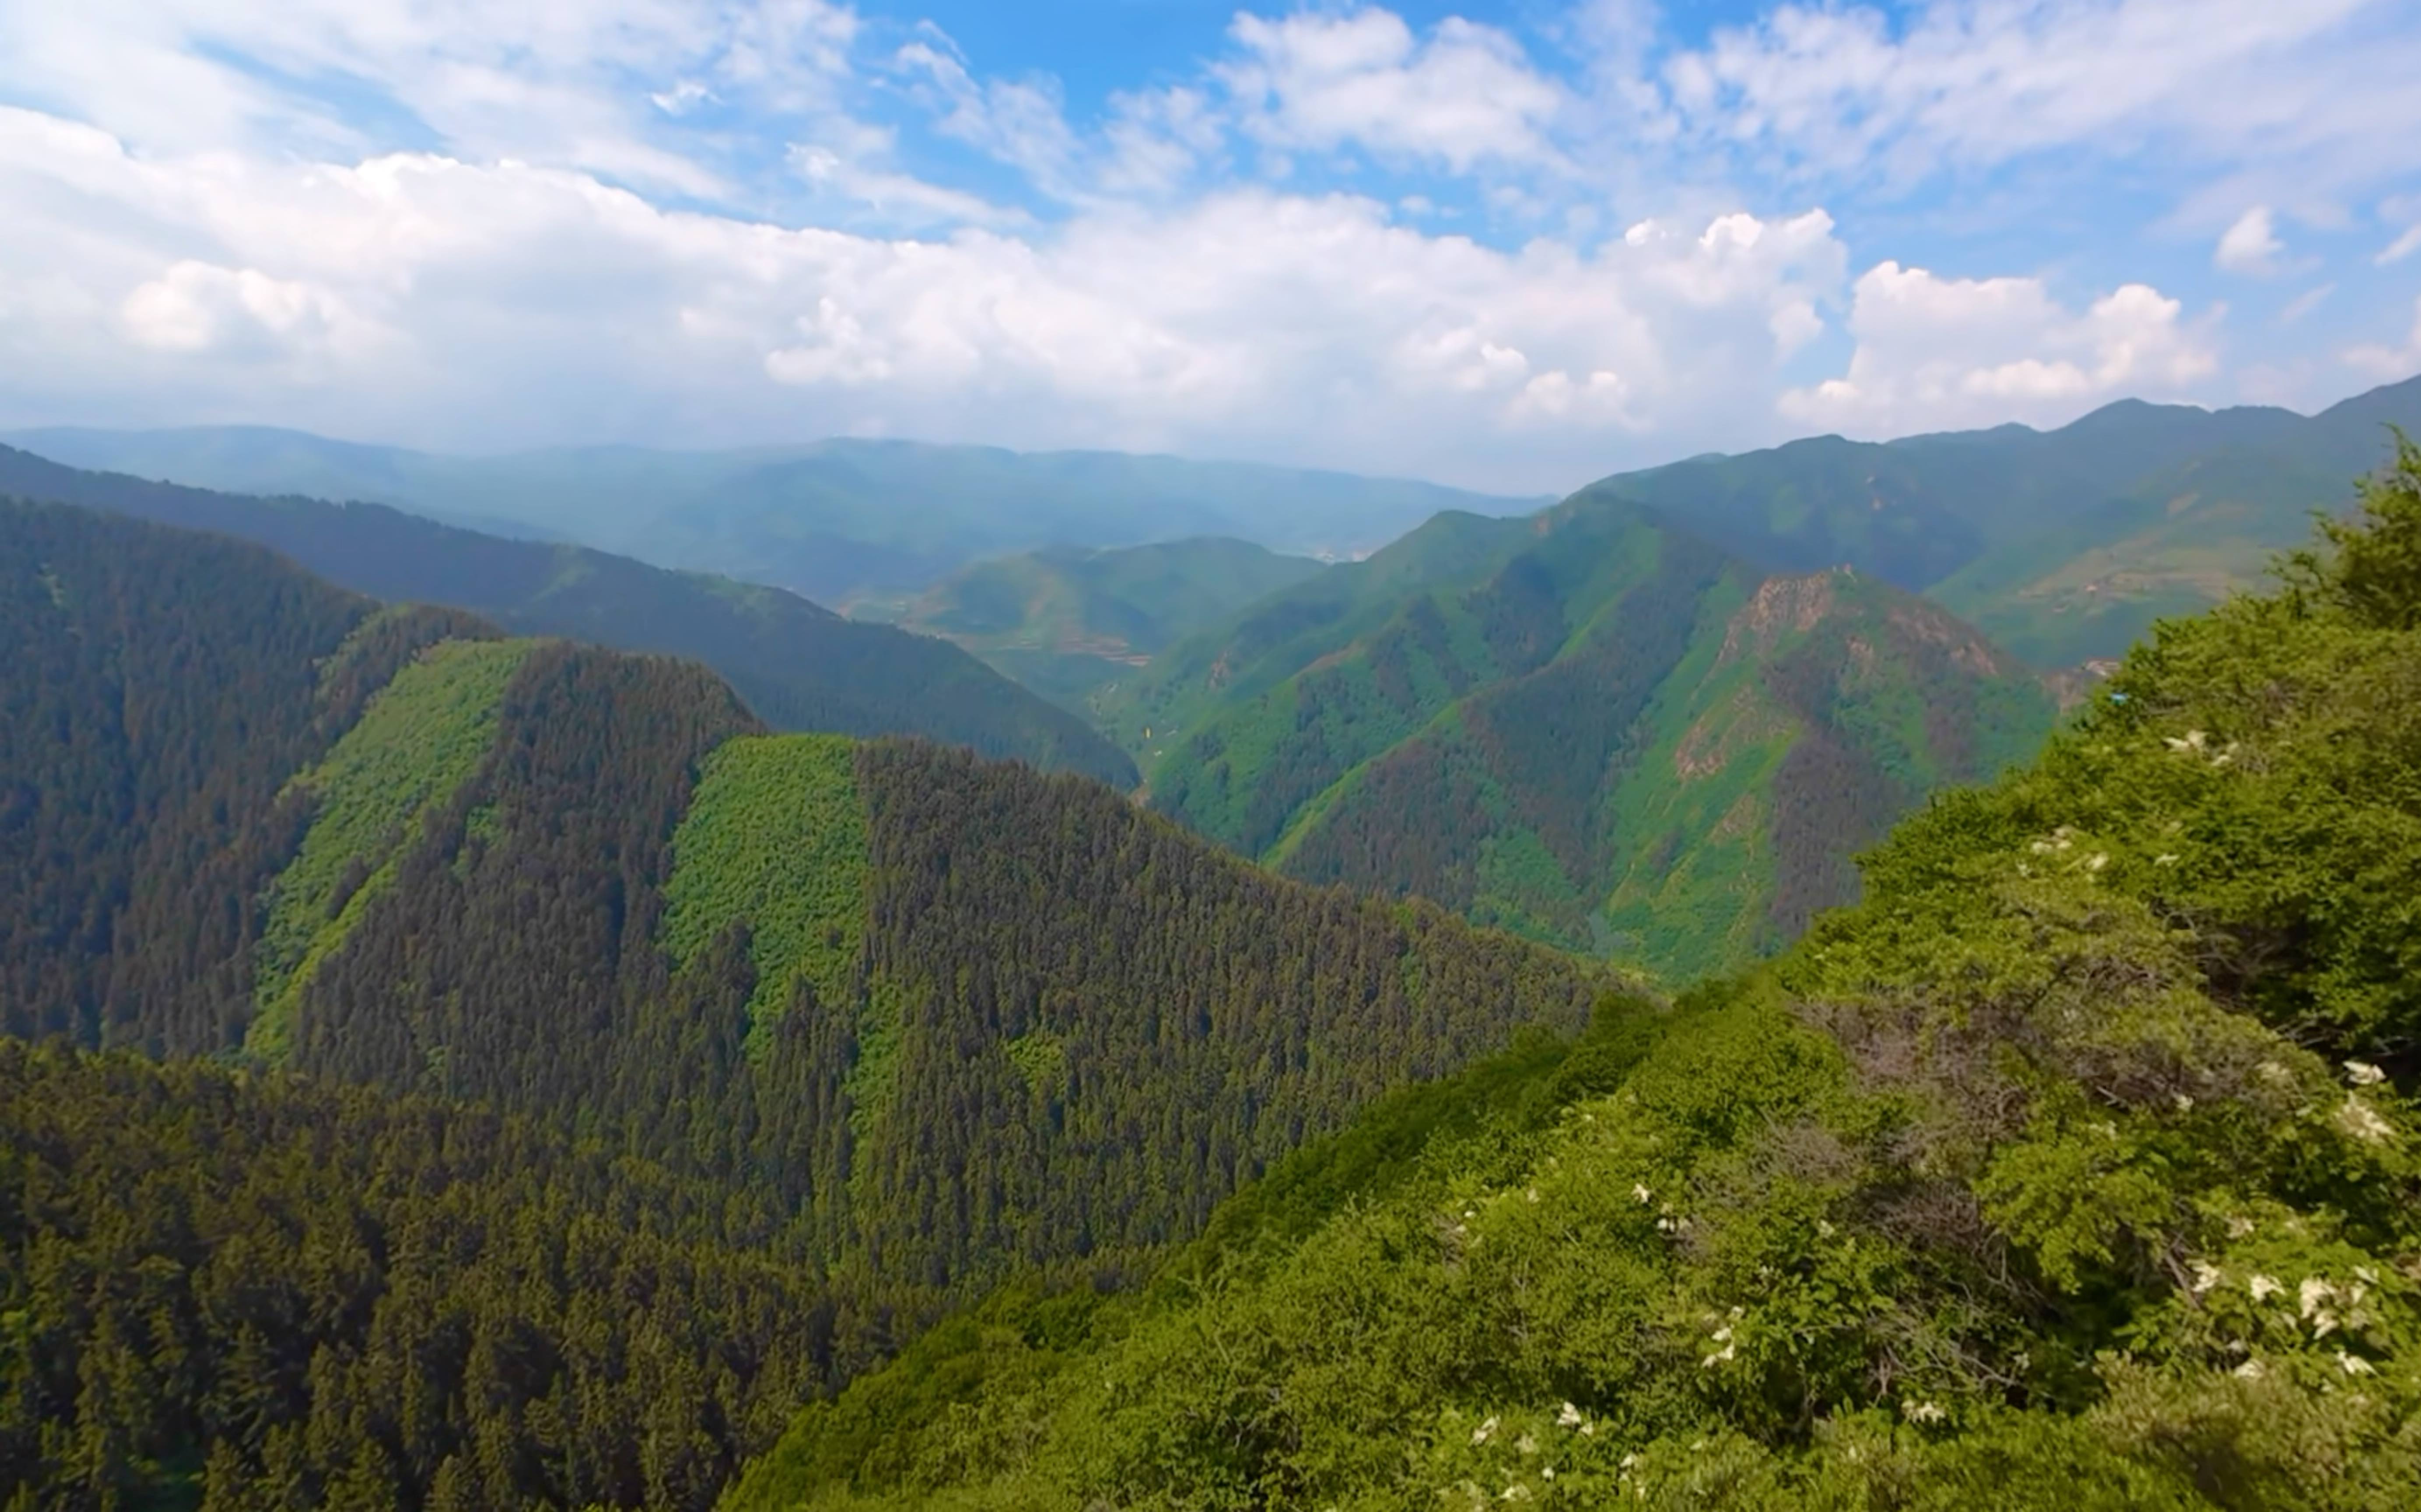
(1569, 995)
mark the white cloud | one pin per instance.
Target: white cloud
(463, 305)
(2251, 246)
(456, 222)
(1466, 95)
(194, 307)
(2276, 91)
(2386, 364)
(576, 84)
(2401, 248)
(2305, 303)
(1939, 353)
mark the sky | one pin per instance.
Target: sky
(1510, 244)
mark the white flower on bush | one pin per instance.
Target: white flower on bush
(2354, 1364)
(1570, 1417)
(1925, 1413)
(2362, 1073)
(2206, 1275)
(2362, 1122)
(1484, 1432)
(2262, 1287)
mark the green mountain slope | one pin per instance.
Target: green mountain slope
(799, 667)
(2064, 545)
(2075, 1168)
(1588, 727)
(230, 1290)
(831, 521)
(1065, 620)
(898, 1020)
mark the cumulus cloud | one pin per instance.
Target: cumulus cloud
(738, 220)
(1938, 353)
(194, 307)
(1311, 326)
(2251, 246)
(1464, 95)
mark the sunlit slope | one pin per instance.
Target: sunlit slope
(2075, 1168)
(1590, 726)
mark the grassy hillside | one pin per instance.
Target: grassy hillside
(775, 843)
(833, 521)
(417, 741)
(1066, 620)
(2062, 545)
(799, 667)
(2073, 1169)
(1588, 728)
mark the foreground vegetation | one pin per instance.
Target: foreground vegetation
(2072, 1168)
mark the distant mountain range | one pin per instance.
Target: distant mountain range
(2062, 545)
(831, 521)
(1066, 620)
(1654, 720)
(800, 667)
(1659, 718)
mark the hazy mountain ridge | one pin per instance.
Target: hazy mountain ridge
(1067, 620)
(2063, 544)
(799, 665)
(830, 519)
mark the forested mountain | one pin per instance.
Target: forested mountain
(1587, 725)
(2062, 545)
(2074, 1168)
(831, 521)
(1068, 619)
(862, 1025)
(799, 667)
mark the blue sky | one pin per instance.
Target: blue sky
(1513, 244)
